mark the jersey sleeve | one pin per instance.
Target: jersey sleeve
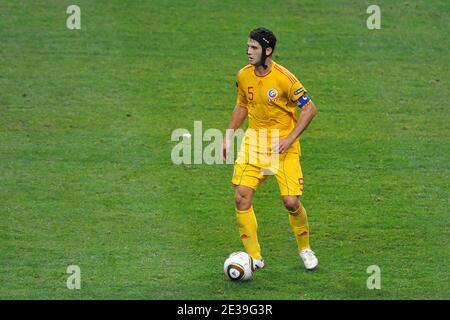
(241, 98)
(297, 90)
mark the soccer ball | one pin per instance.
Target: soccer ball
(238, 266)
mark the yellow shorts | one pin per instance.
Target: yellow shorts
(289, 175)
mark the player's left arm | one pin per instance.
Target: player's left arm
(308, 112)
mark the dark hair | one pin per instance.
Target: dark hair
(266, 39)
(264, 36)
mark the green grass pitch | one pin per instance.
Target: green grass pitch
(86, 176)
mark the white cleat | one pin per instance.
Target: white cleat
(309, 259)
(258, 264)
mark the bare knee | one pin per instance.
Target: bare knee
(243, 198)
(291, 203)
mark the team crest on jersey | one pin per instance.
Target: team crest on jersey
(272, 94)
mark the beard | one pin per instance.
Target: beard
(255, 62)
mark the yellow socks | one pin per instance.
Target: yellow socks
(248, 231)
(299, 225)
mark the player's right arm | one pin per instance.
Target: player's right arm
(237, 118)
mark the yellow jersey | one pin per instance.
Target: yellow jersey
(271, 101)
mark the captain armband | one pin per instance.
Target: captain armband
(303, 100)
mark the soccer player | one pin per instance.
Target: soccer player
(279, 110)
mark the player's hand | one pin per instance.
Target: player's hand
(282, 145)
(225, 148)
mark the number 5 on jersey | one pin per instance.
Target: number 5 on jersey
(250, 93)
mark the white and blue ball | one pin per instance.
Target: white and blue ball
(238, 266)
